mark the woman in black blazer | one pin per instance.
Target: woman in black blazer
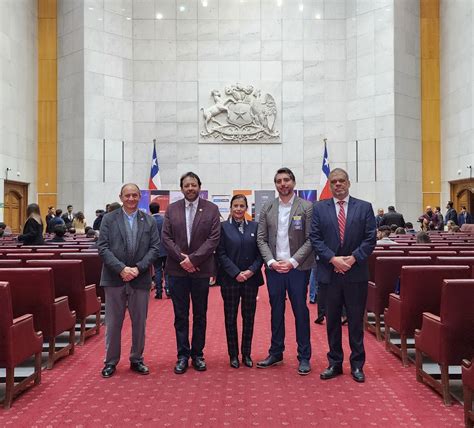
(239, 276)
(33, 228)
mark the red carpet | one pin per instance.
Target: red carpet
(74, 394)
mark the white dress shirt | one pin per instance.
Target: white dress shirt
(338, 207)
(283, 241)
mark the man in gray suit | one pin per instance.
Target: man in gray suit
(283, 241)
(128, 244)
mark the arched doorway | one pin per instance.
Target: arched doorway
(462, 194)
(15, 202)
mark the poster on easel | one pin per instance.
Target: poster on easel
(223, 203)
(262, 196)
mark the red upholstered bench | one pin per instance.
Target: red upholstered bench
(448, 338)
(387, 272)
(457, 260)
(55, 250)
(380, 253)
(33, 292)
(69, 281)
(92, 269)
(468, 388)
(432, 253)
(10, 263)
(29, 256)
(420, 292)
(19, 340)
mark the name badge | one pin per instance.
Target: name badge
(297, 222)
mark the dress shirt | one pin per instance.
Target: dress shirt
(130, 217)
(338, 207)
(283, 241)
(187, 206)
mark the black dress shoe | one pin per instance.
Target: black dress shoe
(304, 368)
(181, 366)
(344, 321)
(330, 372)
(199, 364)
(234, 362)
(158, 296)
(313, 302)
(319, 320)
(358, 375)
(139, 368)
(247, 361)
(108, 370)
(167, 292)
(271, 360)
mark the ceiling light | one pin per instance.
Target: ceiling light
(182, 8)
(300, 7)
(159, 16)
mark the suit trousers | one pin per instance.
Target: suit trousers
(181, 289)
(117, 299)
(352, 295)
(232, 293)
(295, 282)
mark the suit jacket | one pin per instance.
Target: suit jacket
(204, 238)
(462, 221)
(159, 224)
(66, 219)
(238, 252)
(300, 245)
(359, 238)
(392, 217)
(452, 215)
(112, 245)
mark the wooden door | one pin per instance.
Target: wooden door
(15, 202)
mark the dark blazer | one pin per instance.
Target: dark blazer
(32, 233)
(359, 238)
(66, 220)
(112, 245)
(159, 223)
(451, 214)
(238, 252)
(392, 217)
(462, 221)
(204, 238)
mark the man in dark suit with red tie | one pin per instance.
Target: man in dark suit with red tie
(190, 235)
(343, 235)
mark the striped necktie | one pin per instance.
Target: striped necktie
(341, 220)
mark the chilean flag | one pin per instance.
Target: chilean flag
(155, 180)
(324, 191)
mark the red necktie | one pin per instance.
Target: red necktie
(341, 220)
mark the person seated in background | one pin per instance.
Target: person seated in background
(383, 236)
(409, 228)
(464, 217)
(59, 232)
(91, 233)
(455, 229)
(71, 231)
(79, 222)
(400, 231)
(393, 228)
(56, 220)
(422, 238)
(449, 225)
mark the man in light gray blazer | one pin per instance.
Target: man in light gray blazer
(283, 241)
(128, 244)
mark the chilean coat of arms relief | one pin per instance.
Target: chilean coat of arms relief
(242, 115)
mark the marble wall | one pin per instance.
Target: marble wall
(18, 93)
(344, 70)
(456, 74)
